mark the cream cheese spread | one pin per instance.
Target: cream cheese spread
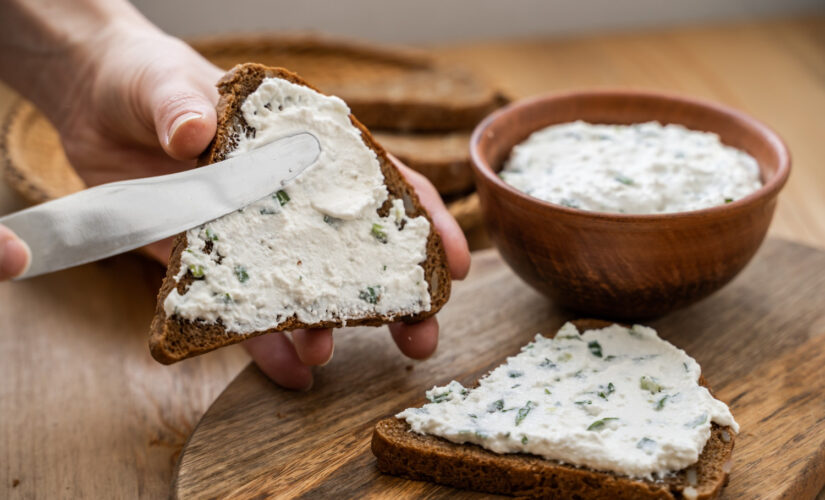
(646, 168)
(616, 399)
(316, 250)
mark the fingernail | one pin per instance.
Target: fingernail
(15, 257)
(325, 363)
(179, 121)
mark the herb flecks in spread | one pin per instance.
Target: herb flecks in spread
(599, 424)
(378, 233)
(641, 413)
(645, 168)
(196, 271)
(282, 197)
(371, 294)
(315, 250)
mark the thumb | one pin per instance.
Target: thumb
(184, 117)
(14, 255)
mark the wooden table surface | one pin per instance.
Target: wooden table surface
(86, 412)
(257, 439)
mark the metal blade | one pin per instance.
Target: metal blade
(114, 218)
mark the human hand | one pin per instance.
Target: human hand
(14, 255)
(145, 106)
(125, 112)
(130, 101)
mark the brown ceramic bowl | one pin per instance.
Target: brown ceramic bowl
(615, 265)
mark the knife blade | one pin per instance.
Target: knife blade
(117, 217)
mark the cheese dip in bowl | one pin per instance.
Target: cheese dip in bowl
(679, 202)
(643, 168)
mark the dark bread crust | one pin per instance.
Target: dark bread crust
(444, 159)
(173, 339)
(427, 458)
(401, 452)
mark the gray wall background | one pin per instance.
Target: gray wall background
(438, 21)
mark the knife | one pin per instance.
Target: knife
(114, 218)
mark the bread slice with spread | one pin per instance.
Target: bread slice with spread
(613, 413)
(346, 243)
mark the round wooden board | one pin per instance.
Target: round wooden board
(33, 160)
(760, 341)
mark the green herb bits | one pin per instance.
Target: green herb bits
(650, 384)
(371, 294)
(241, 274)
(627, 181)
(196, 270)
(524, 411)
(282, 197)
(379, 233)
(600, 424)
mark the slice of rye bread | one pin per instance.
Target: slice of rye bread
(386, 87)
(404, 453)
(173, 338)
(444, 159)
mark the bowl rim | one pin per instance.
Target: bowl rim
(767, 191)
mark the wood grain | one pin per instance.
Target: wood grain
(85, 412)
(32, 160)
(760, 341)
(72, 423)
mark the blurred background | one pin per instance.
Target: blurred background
(437, 21)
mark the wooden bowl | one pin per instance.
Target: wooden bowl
(616, 265)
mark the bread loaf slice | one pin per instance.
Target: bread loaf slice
(401, 452)
(173, 338)
(444, 159)
(386, 87)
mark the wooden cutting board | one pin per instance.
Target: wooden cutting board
(760, 341)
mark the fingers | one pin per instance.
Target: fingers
(184, 117)
(455, 244)
(181, 96)
(276, 357)
(286, 363)
(417, 340)
(314, 347)
(160, 250)
(15, 256)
